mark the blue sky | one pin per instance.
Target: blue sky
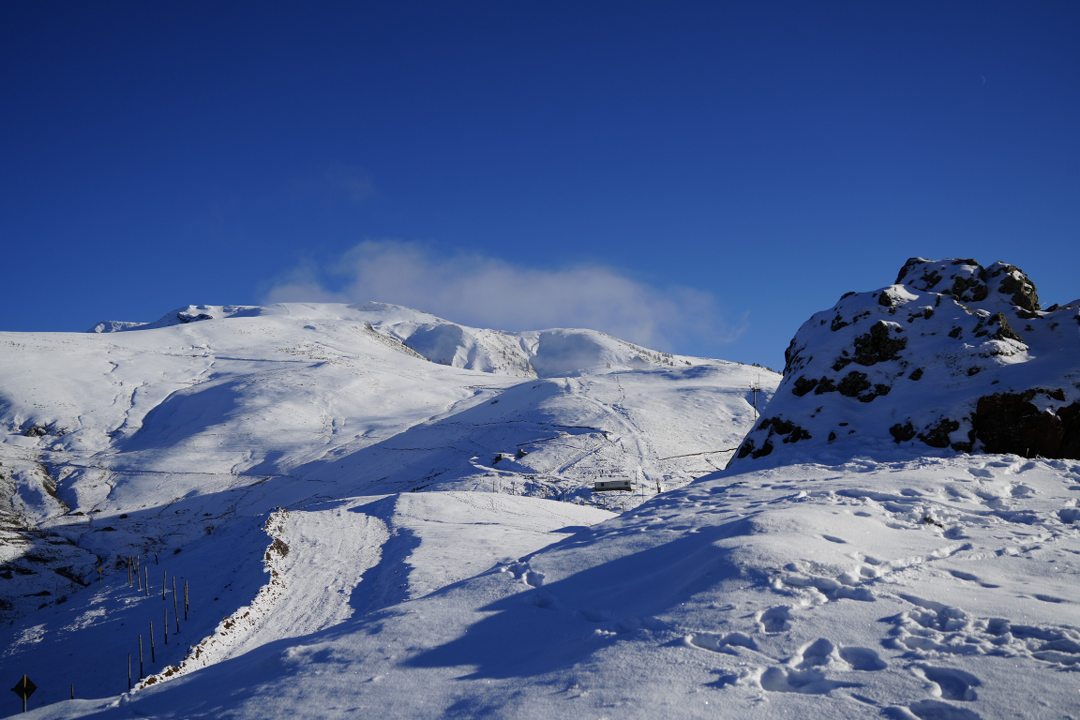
(698, 176)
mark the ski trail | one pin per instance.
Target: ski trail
(314, 562)
(328, 551)
(618, 413)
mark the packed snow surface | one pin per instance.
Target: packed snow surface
(362, 537)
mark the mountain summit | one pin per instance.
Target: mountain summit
(557, 352)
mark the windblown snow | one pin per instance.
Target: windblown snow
(379, 512)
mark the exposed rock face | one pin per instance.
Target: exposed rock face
(1011, 423)
(954, 356)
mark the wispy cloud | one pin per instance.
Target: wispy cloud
(483, 291)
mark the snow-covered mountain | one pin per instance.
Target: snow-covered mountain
(366, 532)
(159, 433)
(542, 353)
(952, 356)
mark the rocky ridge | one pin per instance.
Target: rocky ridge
(953, 357)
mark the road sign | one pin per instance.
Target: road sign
(24, 689)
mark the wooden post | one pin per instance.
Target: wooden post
(164, 585)
(140, 658)
(129, 671)
(153, 655)
(129, 571)
(156, 559)
(166, 625)
(138, 574)
(185, 600)
(72, 691)
(146, 579)
(175, 610)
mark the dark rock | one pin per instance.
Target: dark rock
(916, 374)
(938, 435)
(792, 360)
(825, 385)
(803, 386)
(853, 383)
(184, 317)
(968, 289)
(1010, 423)
(36, 431)
(819, 386)
(877, 345)
(832, 436)
(1003, 332)
(1021, 288)
(902, 433)
(785, 427)
(955, 332)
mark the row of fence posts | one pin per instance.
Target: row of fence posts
(134, 565)
(137, 574)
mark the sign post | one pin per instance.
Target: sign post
(24, 689)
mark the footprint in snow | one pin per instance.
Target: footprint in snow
(812, 681)
(721, 644)
(824, 653)
(952, 684)
(775, 620)
(959, 575)
(1069, 515)
(523, 572)
(806, 672)
(862, 659)
(937, 710)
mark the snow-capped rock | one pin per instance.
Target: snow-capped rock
(952, 356)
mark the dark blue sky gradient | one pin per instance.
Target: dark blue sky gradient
(773, 154)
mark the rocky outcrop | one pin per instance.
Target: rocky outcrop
(952, 357)
(1012, 423)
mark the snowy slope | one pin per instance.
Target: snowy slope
(124, 443)
(861, 577)
(936, 588)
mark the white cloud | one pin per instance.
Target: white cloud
(487, 292)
